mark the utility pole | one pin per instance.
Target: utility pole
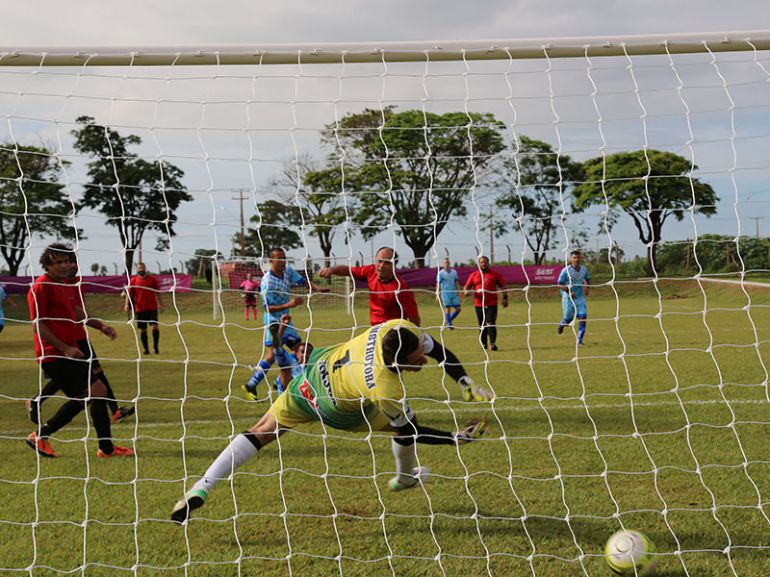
(491, 237)
(756, 220)
(241, 197)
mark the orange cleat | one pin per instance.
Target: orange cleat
(122, 413)
(41, 446)
(116, 452)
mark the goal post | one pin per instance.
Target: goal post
(638, 401)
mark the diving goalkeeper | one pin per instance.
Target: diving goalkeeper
(354, 386)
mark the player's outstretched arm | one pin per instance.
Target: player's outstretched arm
(455, 369)
(338, 270)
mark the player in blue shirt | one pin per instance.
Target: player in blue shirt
(574, 283)
(448, 290)
(275, 290)
(3, 296)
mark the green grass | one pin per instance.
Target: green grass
(569, 454)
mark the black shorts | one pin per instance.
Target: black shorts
(89, 354)
(144, 318)
(487, 316)
(72, 376)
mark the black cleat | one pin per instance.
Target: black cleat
(192, 500)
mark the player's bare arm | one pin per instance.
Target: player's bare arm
(338, 270)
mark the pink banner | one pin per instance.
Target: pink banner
(513, 275)
(103, 284)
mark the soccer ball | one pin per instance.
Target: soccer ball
(631, 553)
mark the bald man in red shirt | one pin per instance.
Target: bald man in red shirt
(391, 298)
(143, 296)
(389, 294)
(484, 283)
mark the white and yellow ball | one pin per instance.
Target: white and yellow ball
(631, 553)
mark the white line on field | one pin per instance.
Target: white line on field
(472, 407)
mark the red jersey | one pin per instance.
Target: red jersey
(143, 293)
(485, 287)
(55, 304)
(389, 300)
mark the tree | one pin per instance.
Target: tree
(316, 193)
(275, 223)
(412, 169)
(135, 195)
(32, 201)
(649, 186)
(541, 180)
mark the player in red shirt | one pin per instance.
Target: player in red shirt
(144, 297)
(389, 294)
(56, 311)
(390, 298)
(485, 282)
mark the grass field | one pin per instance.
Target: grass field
(661, 423)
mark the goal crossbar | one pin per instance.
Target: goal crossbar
(325, 53)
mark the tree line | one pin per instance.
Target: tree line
(411, 170)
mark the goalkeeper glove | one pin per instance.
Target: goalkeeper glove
(472, 392)
(472, 431)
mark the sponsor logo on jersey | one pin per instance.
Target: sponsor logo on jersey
(307, 392)
(324, 374)
(371, 347)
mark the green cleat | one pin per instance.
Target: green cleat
(192, 500)
(251, 392)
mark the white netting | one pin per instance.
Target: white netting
(651, 158)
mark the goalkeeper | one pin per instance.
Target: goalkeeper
(354, 386)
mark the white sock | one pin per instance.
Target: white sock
(406, 460)
(240, 450)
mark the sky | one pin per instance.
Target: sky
(207, 140)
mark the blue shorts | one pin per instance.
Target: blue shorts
(572, 308)
(450, 300)
(290, 338)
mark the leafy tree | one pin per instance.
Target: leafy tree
(650, 187)
(135, 195)
(32, 201)
(275, 223)
(316, 193)
(541, 179)
(414, 169)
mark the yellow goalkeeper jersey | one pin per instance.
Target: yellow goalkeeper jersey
(344, 383)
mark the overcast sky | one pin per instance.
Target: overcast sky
(191, 22)
(197, 23)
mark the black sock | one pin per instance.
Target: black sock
(49, 390)
(63, 416)
(493, 334)
(101, 422)
(144, 341)
(155, 339)
(111, 402)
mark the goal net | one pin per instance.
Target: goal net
(640, 404)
